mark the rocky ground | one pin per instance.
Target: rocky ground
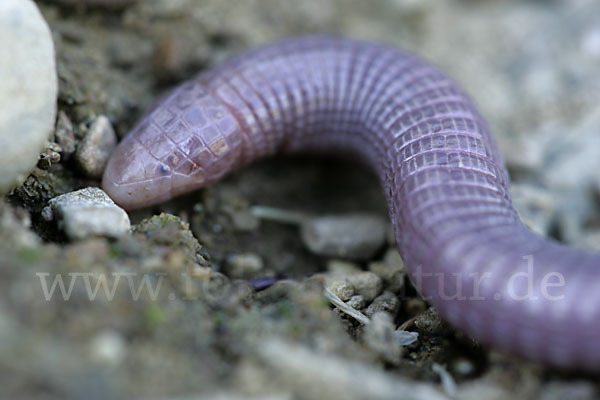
(177, 310)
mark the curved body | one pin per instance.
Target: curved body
(445, 182)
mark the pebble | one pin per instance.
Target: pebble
(432, 324)
(28, 89)
(87, 212)
(590, 42)
(341, 288)
(242, 218)
(357, 302)
(483, 389)
(415, 306)
(339, 268)
(167, 60)
(317, 375)
(15, 227)
(105, 4)
(537, 207)
(64, 135)
(354, 236)
(380, 337)
(572, 390)
(108, 347)
(366, 284)
(244, 265)
(276, 292)
(391, 269)
(592, 240)
(463, 366)
(386, 302)
(50, 155)
(96, 147)
(525, 155)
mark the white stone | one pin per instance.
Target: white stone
(28, 89)
(352, 236)
(87, 212)
(95, 148)
(108, 347)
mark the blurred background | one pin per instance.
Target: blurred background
(531, 66)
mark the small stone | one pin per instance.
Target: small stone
(244, 265)
(415, 306)
(318, 374)
(50, 155)
(28, 89)
(108, 347)
(536, 206)
(64, 135)
(350, 236)
(391, 270)
(525, 155)
(105, 4)
(167, 61)
(590, 43)
(366, 284)
(357, 302)
(380, 337)
(242, 218)
(95, 148)
(87, 212)
(276, 292)
(339, 268)
(341, 288)
(386, 302)
(573, 390)
(483, 389)
(591, 240)
(463, 366)
(432, 324)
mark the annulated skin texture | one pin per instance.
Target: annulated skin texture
(444, 179)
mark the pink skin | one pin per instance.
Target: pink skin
(150, 165)
(445, 181)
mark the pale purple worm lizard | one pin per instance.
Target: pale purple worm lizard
(445, 182)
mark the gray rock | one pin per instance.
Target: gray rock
(353, 236)
(108, 347)
(64, 135)
(537, 207)
(380, 337)
(50, 155)
(28, 89)
(386, 302)
(244, 265)
(391, 269)
(316, 375)
(366, 284)
(341, 288)
(591, 42)
(339, 268)
(357, 302)
(106, 4)
(95, 148)
(276, 292)
(592, 240)
(462, 366)
(87, 212)
(575, 390)
(432, 324)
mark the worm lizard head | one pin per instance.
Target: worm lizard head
(134, 178)
(165, 156)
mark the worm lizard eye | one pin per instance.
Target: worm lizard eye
(164, 169)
